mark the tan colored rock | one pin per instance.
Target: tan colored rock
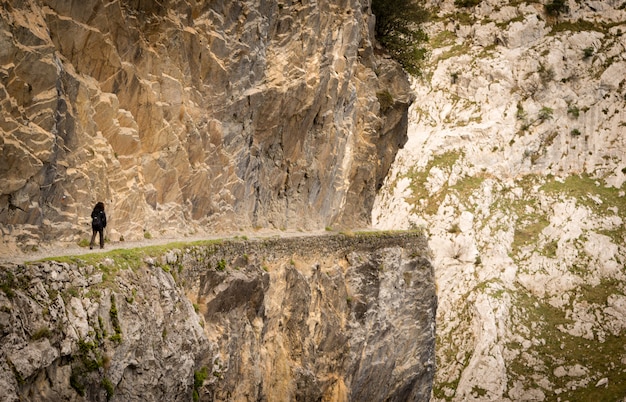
(183, 117)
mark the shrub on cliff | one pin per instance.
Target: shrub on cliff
(398, 29)
(556, 7)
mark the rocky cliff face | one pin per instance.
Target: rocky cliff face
(185, 117)
(311, 318)
(515, 165)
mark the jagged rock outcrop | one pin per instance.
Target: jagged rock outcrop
(334, 318)
(515, 167)
(186, 117)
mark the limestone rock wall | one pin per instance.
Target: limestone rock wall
(337, 318)
(186, 117)
(515, 166)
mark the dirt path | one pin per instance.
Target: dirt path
(61, 249)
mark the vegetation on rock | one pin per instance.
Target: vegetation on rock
(525, 207)
(399, 30)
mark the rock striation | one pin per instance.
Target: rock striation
(186, 117)
(306, 318)
(515, 167)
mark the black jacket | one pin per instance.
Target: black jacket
(98, 219)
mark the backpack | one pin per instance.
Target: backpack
(96, 220)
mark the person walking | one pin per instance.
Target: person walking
(98, 223)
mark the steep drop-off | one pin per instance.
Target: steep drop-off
(333, 318)
(185, 117)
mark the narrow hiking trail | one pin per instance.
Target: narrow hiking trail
(63, 249)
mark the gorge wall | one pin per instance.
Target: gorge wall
(185, 116)
(308, 318)
(516, 168)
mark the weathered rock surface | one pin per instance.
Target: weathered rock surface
(187, 117)
(310, 318)
(515, 166)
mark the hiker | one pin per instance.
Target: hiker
(98, 223)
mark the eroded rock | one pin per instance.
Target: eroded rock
(342, 317)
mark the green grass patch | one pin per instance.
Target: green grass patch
(459, 17)
(442, 39)
(455, 51)
(467, 186)
(8, 284)
(43, 332)
(529, 233)
(577, 26)
(198, 379)
(556, 348)
(419, 178)
(587, 191)
(599, 294)
(549, 250)
(130, 258)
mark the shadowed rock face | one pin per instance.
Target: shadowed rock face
(334, 318)
(186, 117)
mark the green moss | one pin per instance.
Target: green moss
(85, 361)
(439, 389)
(93, 293)
(459, 17)
(545, 113)
(117, 336)
(108, 387)
(478, 391)
(71, 291)
(504, 25)
(385, 99)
